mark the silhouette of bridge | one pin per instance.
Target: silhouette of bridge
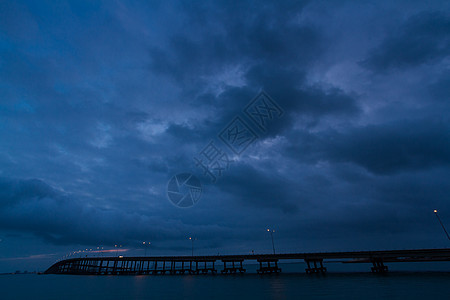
(268, 263)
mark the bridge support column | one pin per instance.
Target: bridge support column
(175, 267)
(114, 268)
(155, 267)
(191, 270)
(84, 266)
(99, 272)
(270, 268)
(313, 267)
(378, 265)
(172, 267)
(205, 269)
(134, 267)
(163, 271)
(236, 266)
(147, 270)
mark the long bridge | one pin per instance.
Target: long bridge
(268, 263)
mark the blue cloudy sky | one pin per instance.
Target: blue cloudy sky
(102, 102)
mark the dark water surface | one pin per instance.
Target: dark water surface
(395, 285)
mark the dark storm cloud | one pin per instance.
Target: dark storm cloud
(105, 103)
(260, 190)
(271, 53)
(236, 33)
(392, 148)
(15, 191)
(288, 87)
(440, 90)
(381, 149)
(34, 206)
(422, 38)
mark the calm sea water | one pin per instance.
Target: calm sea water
(334, 285)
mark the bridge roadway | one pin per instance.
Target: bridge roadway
(268, 263)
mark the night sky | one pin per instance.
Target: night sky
(102, 103)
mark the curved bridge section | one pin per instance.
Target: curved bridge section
(268, 263)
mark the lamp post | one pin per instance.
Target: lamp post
(145, 247)
(443, 227)
(271, 235)
(192, 249)
(117, 249)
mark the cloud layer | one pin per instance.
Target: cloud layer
(101, 104)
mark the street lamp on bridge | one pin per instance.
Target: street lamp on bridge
(271, 235)
(443, 227)
(145, 247)
(117, 248)
(192, 249)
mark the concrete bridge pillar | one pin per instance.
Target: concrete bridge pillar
(378, 265)
(233, 267)
(272, 266)
(315, 265)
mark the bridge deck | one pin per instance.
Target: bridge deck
(268, 262)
